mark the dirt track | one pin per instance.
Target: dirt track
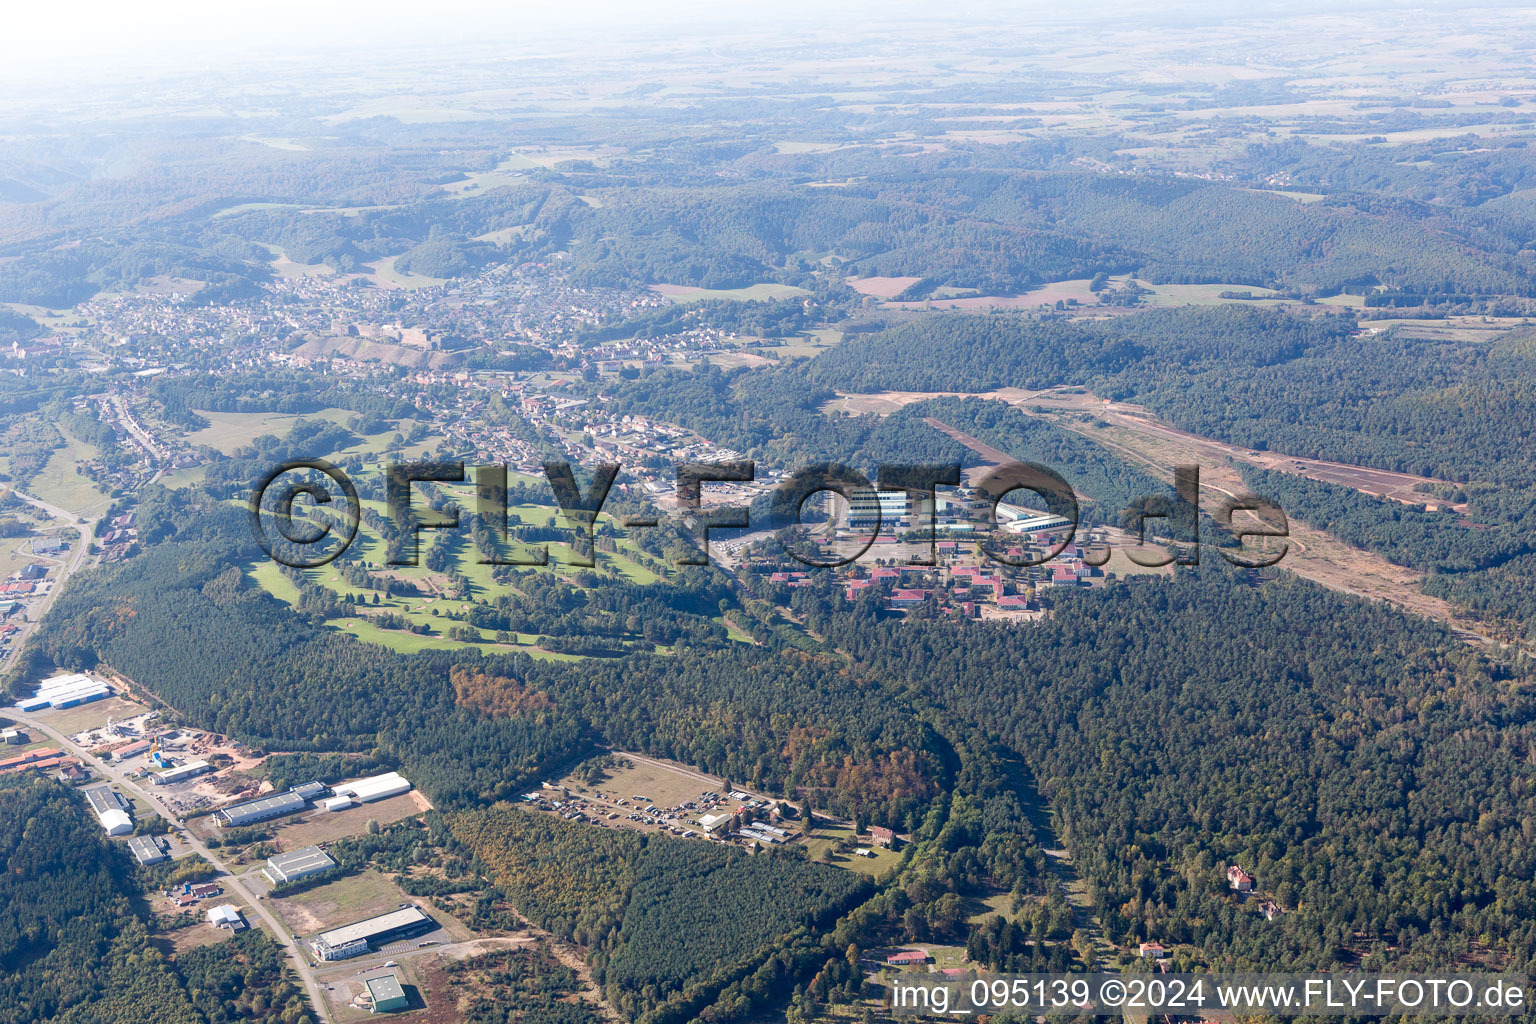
(1311, 553)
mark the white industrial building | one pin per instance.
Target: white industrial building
(111, 810)
(339, 803)
(65, 691)
(274, 805)
(290, 867)
(375, 787)
(712, 823)
(117, 823)
(355, 939)
(226, 916)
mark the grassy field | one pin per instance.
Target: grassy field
(419, 609)
(91, 716)
(826, 837)
(509, 172)
(59, 484)
(755, 292)
(12, 554)
(227, 431)
(811, 343)
(431, 607)
(340, 902)
(386, 276)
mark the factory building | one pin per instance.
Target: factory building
(385, 994)
(375, 787)
(356, 939)
(311, 790)
(226, 916)
(103, 799)
(290, 867)
(339, 803)
(149, 849)
(273, 805)
(12, 737)
(190, 770)
(111, 810)
(131, 750)
(39, 760)
(65, 691)
(117, 823)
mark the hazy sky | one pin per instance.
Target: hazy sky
(69, 35)
(60, 41)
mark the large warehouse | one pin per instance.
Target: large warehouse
(375, 787)
(65, 691)
(111, 811)
(355, 939)
(290, 867)
(148, 849)
(273, 805)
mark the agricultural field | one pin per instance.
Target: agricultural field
(384, 275)
(229, 431)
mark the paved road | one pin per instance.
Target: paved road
(126, 417)
(227, 877)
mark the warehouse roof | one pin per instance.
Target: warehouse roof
(385, 988)
(270, 805)
(373, 926)
(116, 822)
(371, 787)
(147, 849)
(103, 799)
(300, 862)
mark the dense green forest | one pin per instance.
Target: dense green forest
(666, 919)
(1200, 723)
(1037, 218)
